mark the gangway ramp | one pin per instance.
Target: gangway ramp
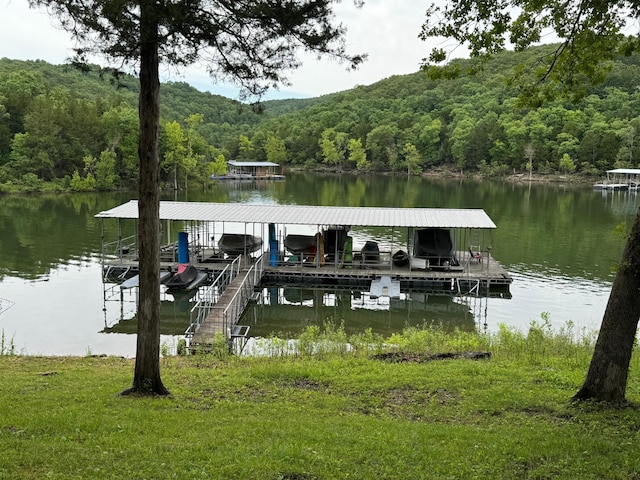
(222, 306)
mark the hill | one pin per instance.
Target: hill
(469, 123)
(55, 119)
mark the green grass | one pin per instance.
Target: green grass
(326, 415)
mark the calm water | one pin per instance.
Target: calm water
(557, 242)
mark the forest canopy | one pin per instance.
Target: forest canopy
(78, 130)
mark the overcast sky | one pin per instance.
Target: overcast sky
(387, 31)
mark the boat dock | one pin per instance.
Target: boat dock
(380, 250)
(620, 179)
(243, 171)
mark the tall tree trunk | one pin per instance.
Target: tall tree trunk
(607, 376)
(147, 370)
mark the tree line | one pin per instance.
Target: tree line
(62, 129)
(66, 129)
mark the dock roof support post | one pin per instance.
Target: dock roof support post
(409, 242)
(120, 239)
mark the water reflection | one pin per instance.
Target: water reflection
(288, 311)
(620, 202)
(41, 232)
(175, 308)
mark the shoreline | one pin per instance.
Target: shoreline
(552, 178)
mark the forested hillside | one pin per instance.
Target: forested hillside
(77, 130)
(468, 123)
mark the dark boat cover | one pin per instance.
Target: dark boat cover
(371, 252)
(300, 243)
(238, 243)
(433, 243)
(334, 240)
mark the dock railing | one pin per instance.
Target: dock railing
(238, 303)
(123, 248)
(357, 259)
(210, 296)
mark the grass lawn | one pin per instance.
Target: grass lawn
(331, 415)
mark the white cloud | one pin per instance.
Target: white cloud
(387, 31)
(27, 34)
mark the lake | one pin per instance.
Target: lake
(557, 242)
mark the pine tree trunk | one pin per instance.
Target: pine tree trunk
(147, 369)
(607, 376)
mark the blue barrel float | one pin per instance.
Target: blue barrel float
(183, 248)
(273, 246)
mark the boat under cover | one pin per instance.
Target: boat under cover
(300, 243)
(436, 245)
(239, 243)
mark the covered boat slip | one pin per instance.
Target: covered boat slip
(247, 247)
(251, 171)
(331, 245)
(620, 179)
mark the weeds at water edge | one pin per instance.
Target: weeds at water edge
(7, 347)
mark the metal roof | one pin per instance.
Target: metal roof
(625, 171)
(236, 163)
(311, 215)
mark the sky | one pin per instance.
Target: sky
(387, 31)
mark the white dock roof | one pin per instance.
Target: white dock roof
(625, 171)
(236, 163)
(311, 215)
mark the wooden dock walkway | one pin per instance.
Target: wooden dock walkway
(224, 311)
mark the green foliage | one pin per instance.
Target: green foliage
(7, 346)
(321, 341)
(31, 181)
(275, 150)
(541, 344)
(494, 170)
(434, 339)
(80, 184)
(245, 149)
(367, 342)
(106, 170)
(567, 165)
(333, 145)
(472, 122)
(470, 119)
(58, 116)
(621, 231)
(174, 151)
(218, 166)
(357, 154)
(411, 159)
(591, 37)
